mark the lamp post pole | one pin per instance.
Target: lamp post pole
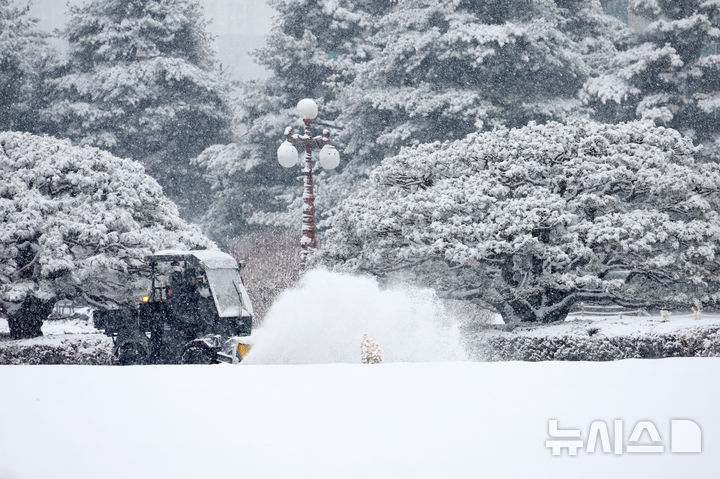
(288, 158)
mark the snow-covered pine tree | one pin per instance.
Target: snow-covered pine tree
(441, 69)
(310, 52)
(142, 82)
(536, 219)
(76, 222)
(24, 55)
(665, 70)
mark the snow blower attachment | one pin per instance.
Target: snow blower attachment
(198, 312)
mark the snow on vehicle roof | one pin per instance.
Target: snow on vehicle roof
(215, 259)
(211, 259)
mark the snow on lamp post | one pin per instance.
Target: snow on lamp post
(288, 158)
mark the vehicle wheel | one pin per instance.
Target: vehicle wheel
(130, 354)
(198, 355)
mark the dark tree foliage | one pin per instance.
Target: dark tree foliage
(24, 59)
(142, 82)
(308, 55)
(439, 70)
(666, 70)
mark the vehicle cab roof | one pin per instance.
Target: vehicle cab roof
(206, 258)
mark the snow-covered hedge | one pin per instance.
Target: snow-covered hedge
(76, 222)
(586, 341)
(76, 349)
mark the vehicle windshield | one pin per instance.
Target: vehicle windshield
(226, 286)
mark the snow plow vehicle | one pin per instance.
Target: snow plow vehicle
(198, 312)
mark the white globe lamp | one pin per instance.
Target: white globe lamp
(329, 157)
(287, 155)
(307, 108)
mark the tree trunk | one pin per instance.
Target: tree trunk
(27, 321)
(520, 311)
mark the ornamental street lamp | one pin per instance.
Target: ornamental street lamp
(288, 158)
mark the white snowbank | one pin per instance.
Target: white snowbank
(442, 420)
(616, 326)
(323, 321)
(55, 331)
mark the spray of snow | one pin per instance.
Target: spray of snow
(324, 318)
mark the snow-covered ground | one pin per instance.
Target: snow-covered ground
(450, 420)
(621, 326)
(58, 327)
